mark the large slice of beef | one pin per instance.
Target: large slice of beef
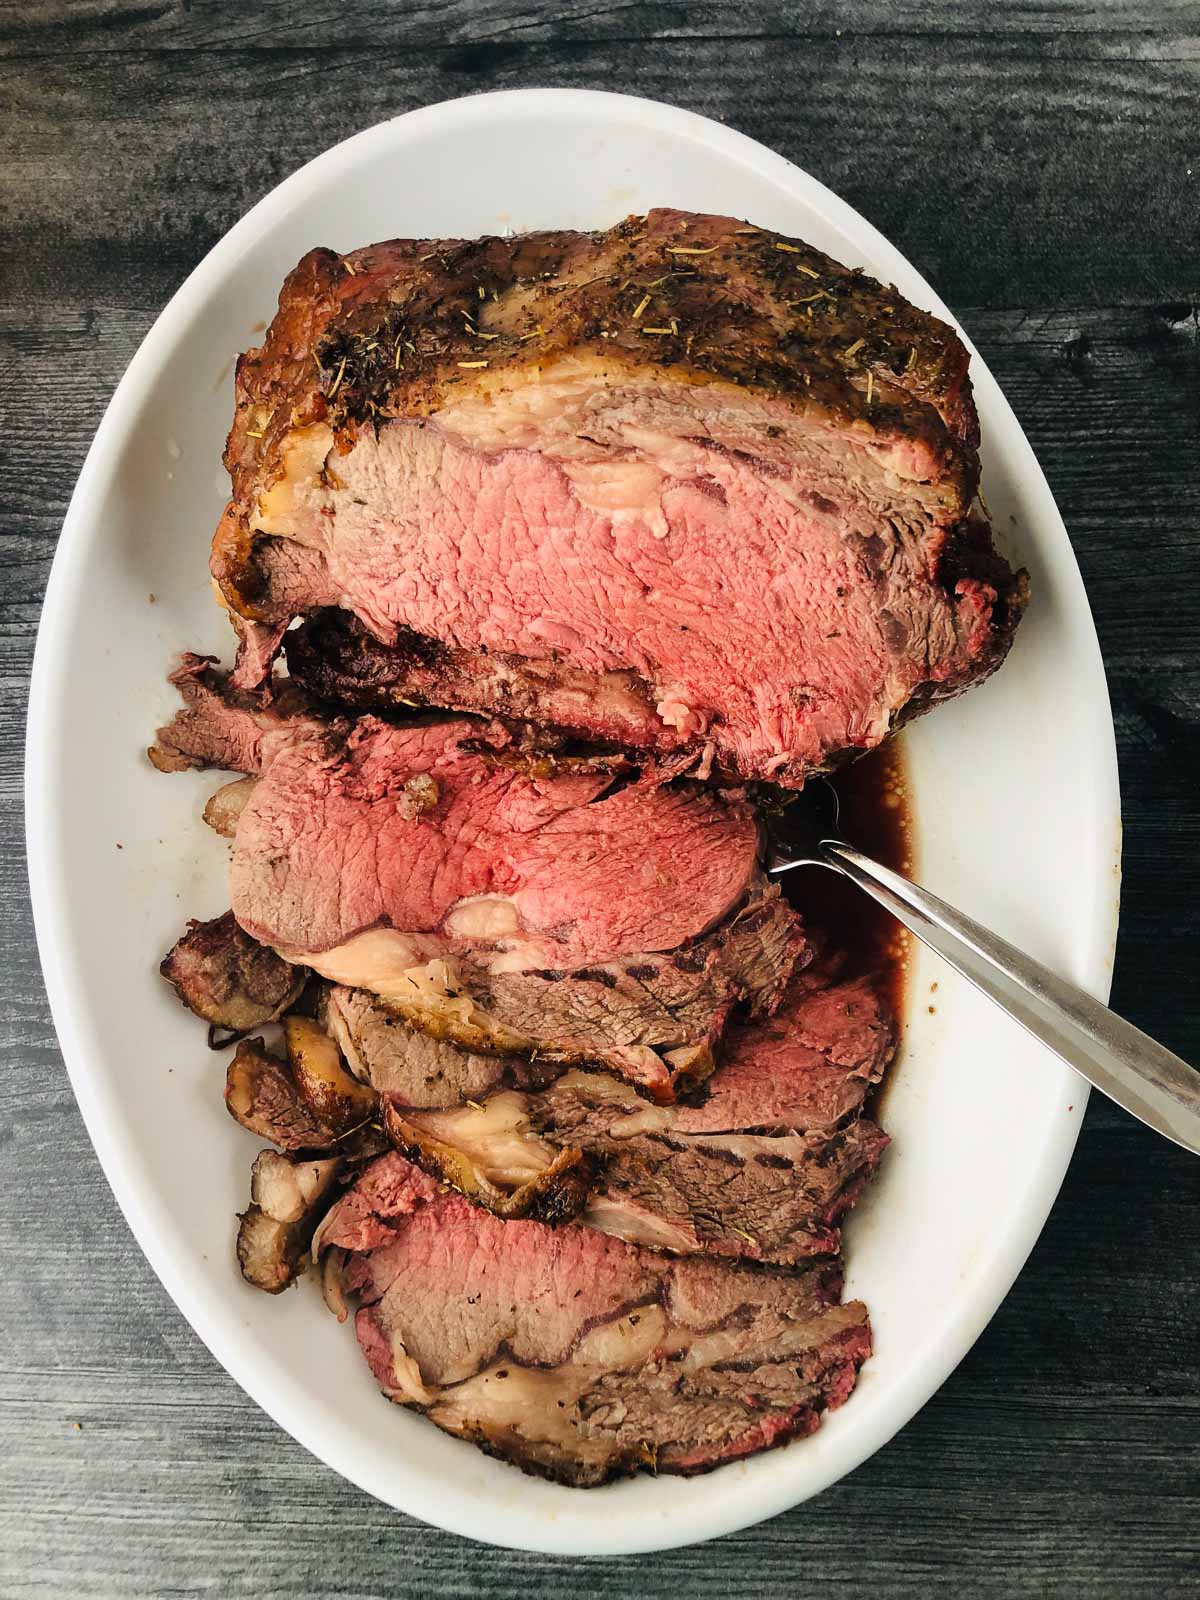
(685, 484)
(762, 1167)
(577, 1356)
(571, 914)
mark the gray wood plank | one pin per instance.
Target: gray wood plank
(87, 25)
(122, 175)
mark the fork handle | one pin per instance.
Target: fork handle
(1122, 1062)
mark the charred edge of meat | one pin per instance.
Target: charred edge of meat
(336, 658)
(288, 1198)
(230, 980)
(337, 1100)
(556, 1194)
(629, 1462)
(970, 554)
(263, 1095)
(626, 1463)
(917, 363)
(339, 662)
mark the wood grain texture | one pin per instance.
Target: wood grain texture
(1033, 160)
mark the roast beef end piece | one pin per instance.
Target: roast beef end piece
(788, 447)
(288, 1197)
(228, 978)
(400, 1060)
(575, 1356)
(262, 1094)
(336, 1099)
(221, 725)
(307, 1103)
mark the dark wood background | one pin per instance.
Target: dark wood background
(1041, 164)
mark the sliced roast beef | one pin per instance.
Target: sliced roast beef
(308, 1102)
(762, 1168)
(576, 1356)
(492, 1156)
(686, 484)
(220, 724)
(573, 915)
(228, 978)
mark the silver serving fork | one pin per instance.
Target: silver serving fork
(1115, 1057)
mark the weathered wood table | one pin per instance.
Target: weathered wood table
(1041, 164)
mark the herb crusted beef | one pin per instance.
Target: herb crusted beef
(579, 548)
(685, 485)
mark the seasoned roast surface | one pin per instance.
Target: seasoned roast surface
(592, 538)
(685, 485)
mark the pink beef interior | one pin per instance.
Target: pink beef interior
(576, 1355)
(329, 846)
(754, 598)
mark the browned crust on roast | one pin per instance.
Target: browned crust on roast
(402, 328)
(262, 1094)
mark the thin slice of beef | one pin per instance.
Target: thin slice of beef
(580, 916)
(494, 1158)
(578, 1357)
(228, 978)
(763, 1168)
(303, 1104)
(220, 724)
(402, 1061)
(687, 484)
